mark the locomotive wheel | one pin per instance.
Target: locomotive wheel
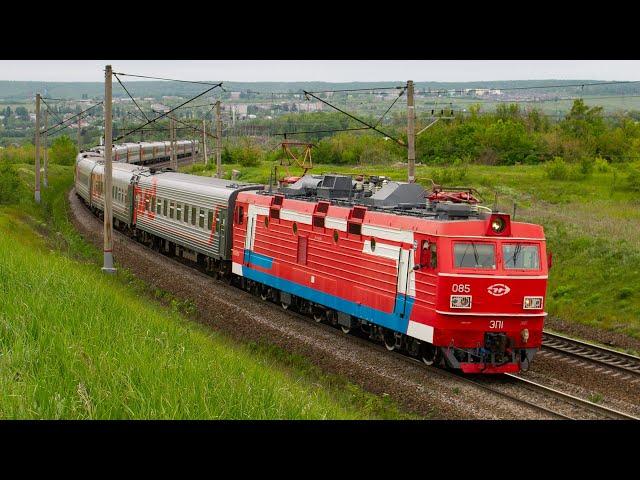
(389, 341)
(345, 330)
(264, 294)
(284, 305)
(318, 315)
(428, 353)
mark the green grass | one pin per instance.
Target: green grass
(592, 225)
(76, 344)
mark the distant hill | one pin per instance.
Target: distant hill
(21, 90)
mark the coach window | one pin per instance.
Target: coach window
(186, 213)
(159, 207)
(172, 206)
(209, 219)
(153, 204)
(193, 215)
(178, 211)
(240, 219)
(201, 223)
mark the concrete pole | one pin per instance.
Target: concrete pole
(218, 141)
(174, 157)
(37, 192)
(411, 133)
(193, 149)
(108, 198)
(204, 141)
(79, 134)
(45, 177)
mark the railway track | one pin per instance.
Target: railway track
(567, 406)
(607, 360)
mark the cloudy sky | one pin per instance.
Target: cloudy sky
(324, 70)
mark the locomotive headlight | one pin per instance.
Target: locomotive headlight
(498, 224)
(525, 335)
(460, 301)
(532, 303)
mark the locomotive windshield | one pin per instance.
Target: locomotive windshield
(521, 257)
(474, 255)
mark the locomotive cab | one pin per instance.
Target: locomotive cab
(490, 285)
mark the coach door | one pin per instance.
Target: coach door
(221, 231)
(248, 239)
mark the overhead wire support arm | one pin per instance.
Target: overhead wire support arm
(391, 106)
(428, 126)
(131, 97)
(51, 111)
(170, 111)
(399, 142)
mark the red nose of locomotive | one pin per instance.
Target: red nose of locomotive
(490, 297)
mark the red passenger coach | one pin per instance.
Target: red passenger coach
(440, 277)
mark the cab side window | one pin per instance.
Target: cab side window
(433, 250)
(428, 255)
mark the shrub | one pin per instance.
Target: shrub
(601, 165)
(586, 166)
(9, 184)
(23, 154)
(450, 175)
(63, 151)
(633, 179)
(246, 154)
(557, 169)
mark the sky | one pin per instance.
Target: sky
(324, 70)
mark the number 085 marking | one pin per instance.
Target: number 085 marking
(461, 288)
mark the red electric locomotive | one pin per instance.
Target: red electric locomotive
(434, 274)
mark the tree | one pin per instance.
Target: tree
(63, 151)
(583, 121)
(23, 113)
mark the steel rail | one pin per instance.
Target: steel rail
(583, 350)
(572, 399)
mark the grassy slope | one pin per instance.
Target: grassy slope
(77, 344)
(592, 227)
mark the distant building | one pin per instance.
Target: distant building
(159, 107)
(309, 106)
(238, 108)
(235, 95)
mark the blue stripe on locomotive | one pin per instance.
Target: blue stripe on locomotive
(397, 320)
